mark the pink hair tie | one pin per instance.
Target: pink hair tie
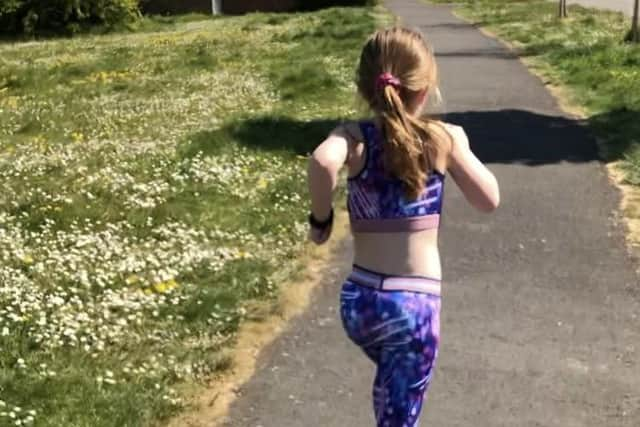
(386, 79)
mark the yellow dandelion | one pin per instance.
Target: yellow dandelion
(171, 284)
(262, 183)
(27, 259)
(166, 286)
(160, 287)
(77, 137)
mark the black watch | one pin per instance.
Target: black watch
(322, 225)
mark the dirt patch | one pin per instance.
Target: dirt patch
(630, 205)
(211, 403)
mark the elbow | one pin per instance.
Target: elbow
(491, 206)
(315, 168)
(322, 169)
(312, 161)
(317, 163)
(492, 198)
(490, 203)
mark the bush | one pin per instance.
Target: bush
(320, 4)
(33, 17)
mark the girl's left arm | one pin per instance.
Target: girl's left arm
(324, 166)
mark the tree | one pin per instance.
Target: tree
(562, 9)
(34, 17)
(634, 34)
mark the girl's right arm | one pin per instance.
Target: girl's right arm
(477, 182)
(323, 173)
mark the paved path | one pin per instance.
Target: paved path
(624, 6)
(541, 308)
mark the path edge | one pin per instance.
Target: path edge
(209, 405)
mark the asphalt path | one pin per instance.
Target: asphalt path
(541, 302)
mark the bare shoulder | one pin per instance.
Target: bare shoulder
(341, 145)
(457, 133)
(349, 130)
(454, 130)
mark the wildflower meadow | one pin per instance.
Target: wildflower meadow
(153, 194)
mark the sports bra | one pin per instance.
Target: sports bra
(377, 203)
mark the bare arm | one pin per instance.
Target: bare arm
(478, 184)
(324, 166)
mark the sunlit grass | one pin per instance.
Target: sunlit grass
(153, 185)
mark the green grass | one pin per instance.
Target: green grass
(584, 53)
(153, 189)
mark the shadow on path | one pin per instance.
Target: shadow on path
(500, 136)
(496, 53)
(517, 136)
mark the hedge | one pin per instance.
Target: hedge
(43, 17)
(33, 17)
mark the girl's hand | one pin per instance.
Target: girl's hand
(319, 236)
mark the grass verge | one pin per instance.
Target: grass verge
(153, 190)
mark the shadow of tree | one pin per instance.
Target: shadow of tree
(498, 53)
(500, 136)
(518, 136)
(268, 133)
(450, 26)
(619, 129)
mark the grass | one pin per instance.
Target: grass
(153, 190)
(585, 54)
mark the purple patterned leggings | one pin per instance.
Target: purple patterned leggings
(399, 331)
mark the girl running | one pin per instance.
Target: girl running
(397, 161)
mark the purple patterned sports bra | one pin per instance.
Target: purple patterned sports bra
(377, 204)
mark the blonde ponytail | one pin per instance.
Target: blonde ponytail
(414, 146)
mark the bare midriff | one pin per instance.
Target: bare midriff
(412, 253)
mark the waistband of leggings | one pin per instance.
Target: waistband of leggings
(384, 282)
